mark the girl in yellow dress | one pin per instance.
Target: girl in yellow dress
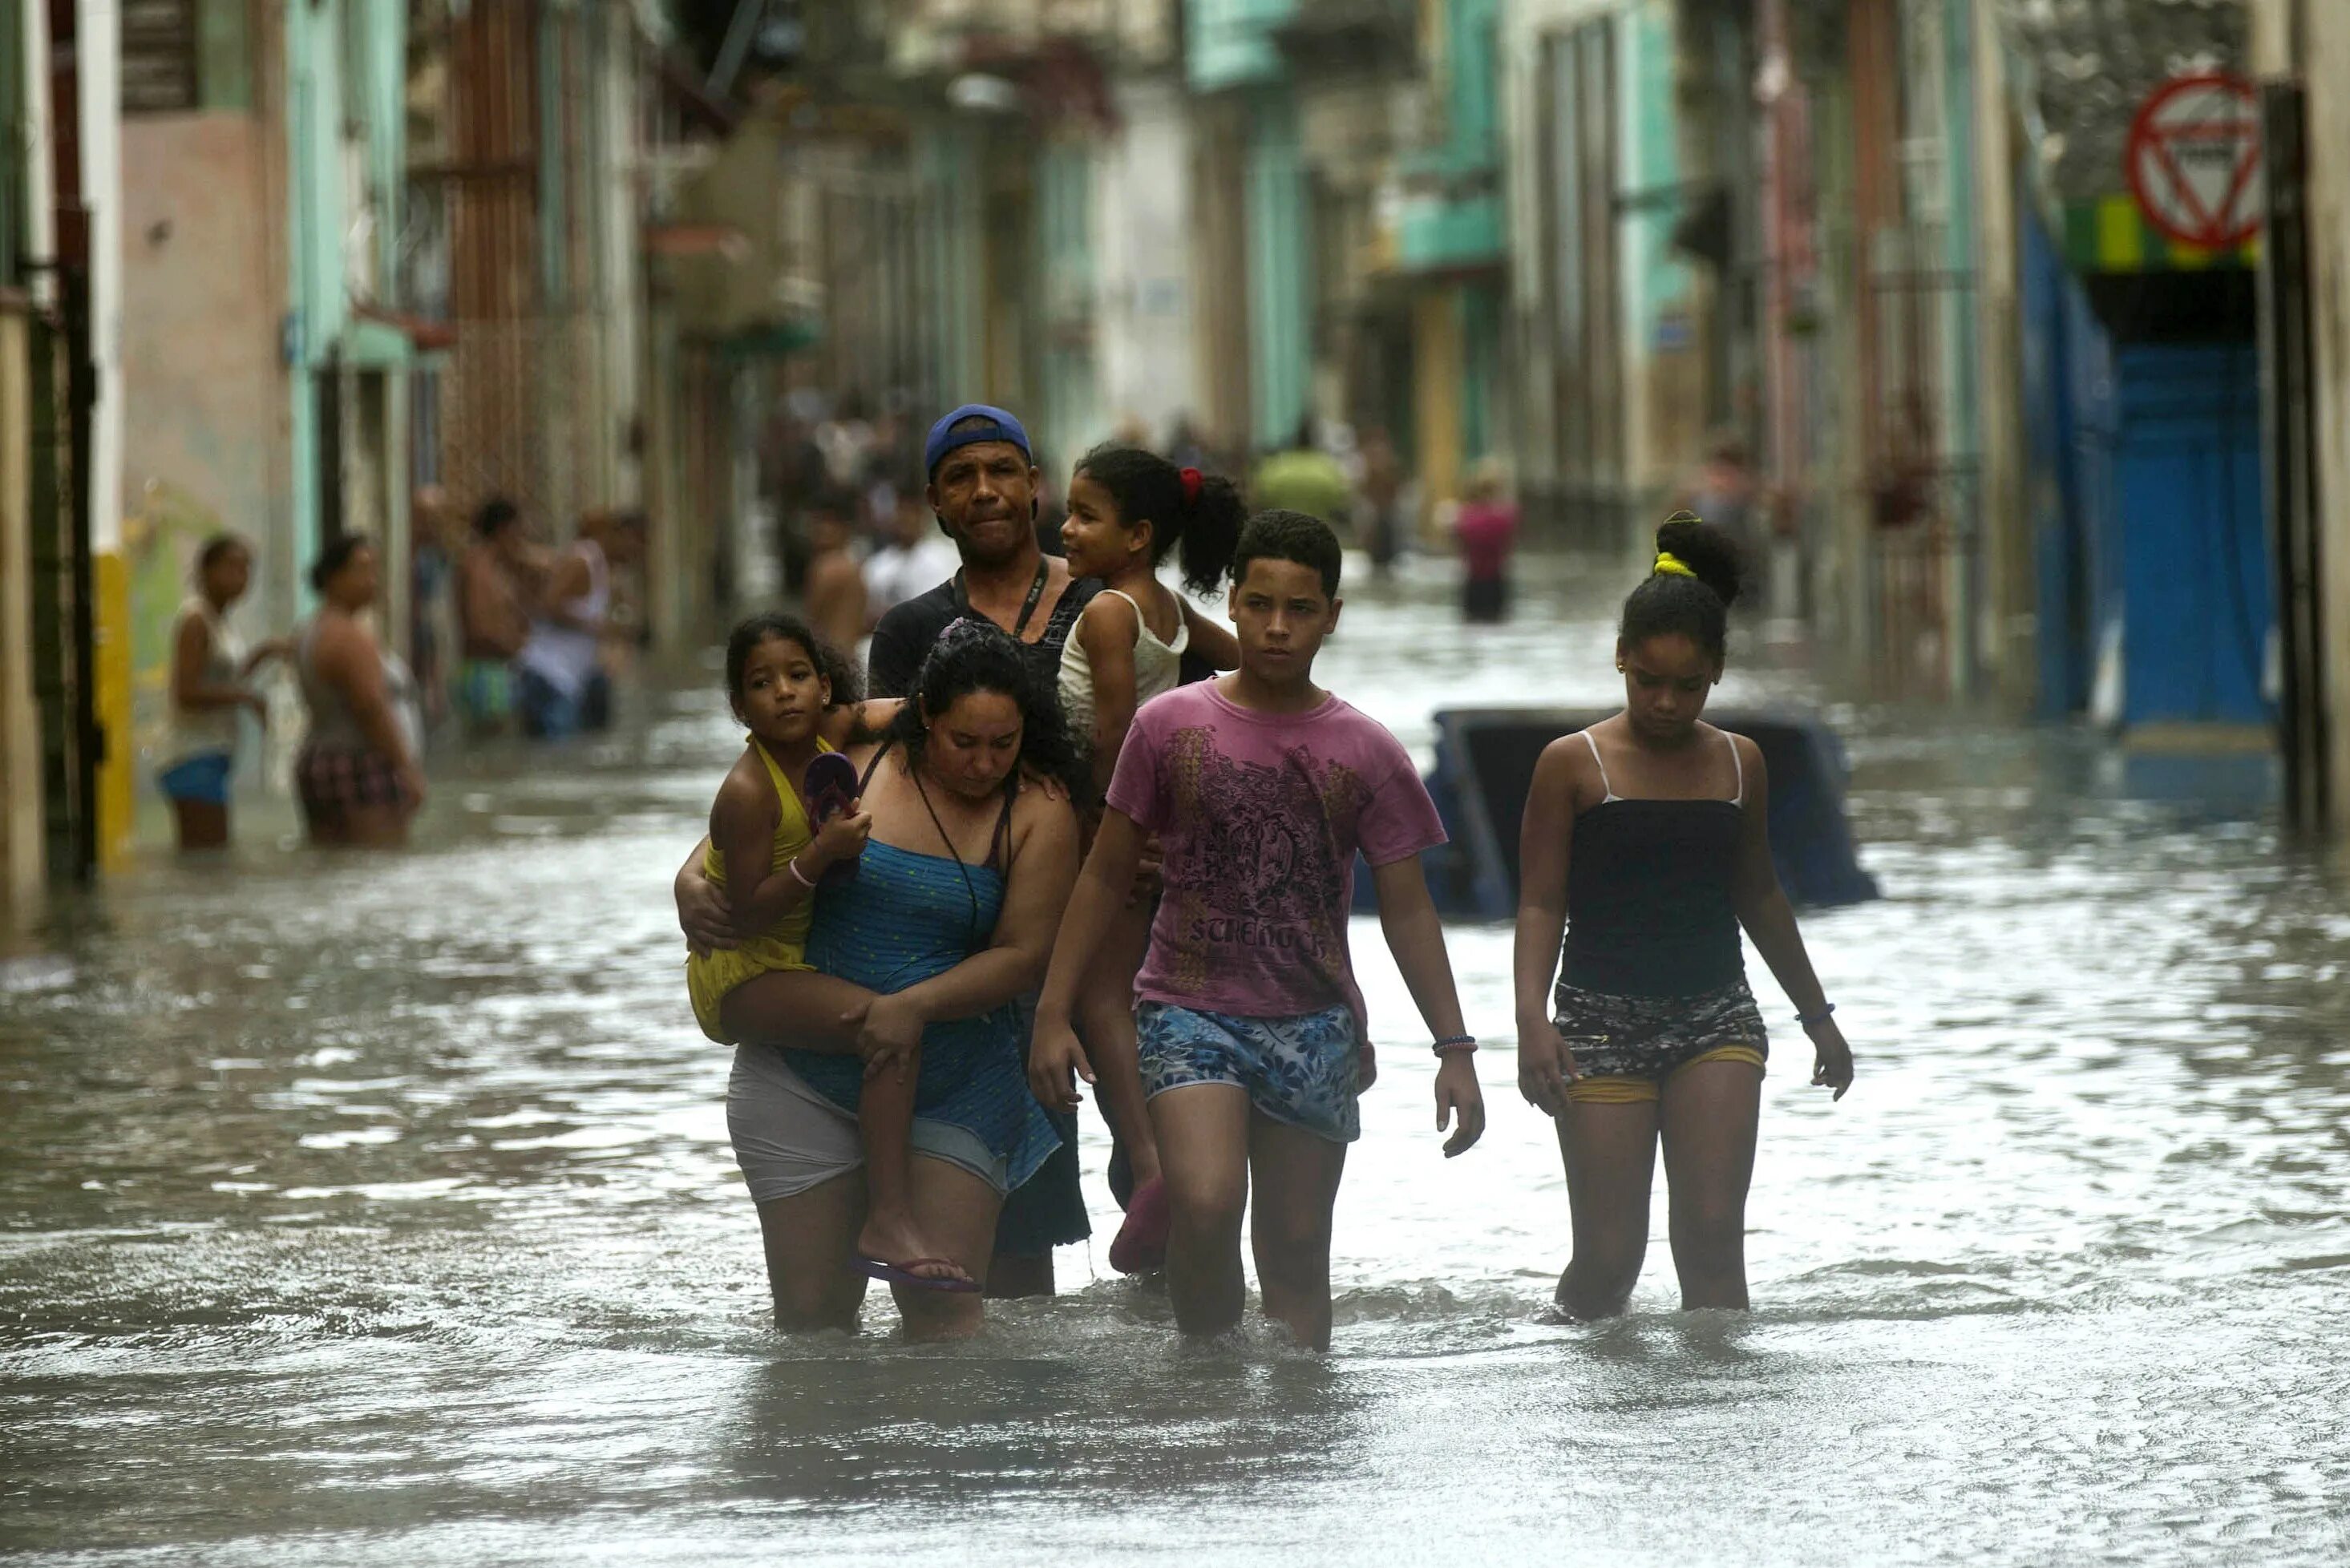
(789, 688)
(796, 695)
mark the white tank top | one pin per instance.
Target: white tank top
(1158, 666)
(564, 656)
(204, 731)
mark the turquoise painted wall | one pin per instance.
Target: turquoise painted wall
(948, 156)
(1655, 280)
(1073, 417)
(1229, 43)
(1280, 269)
(13, 197)
(346, 65)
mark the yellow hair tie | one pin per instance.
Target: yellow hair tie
(1671, 565)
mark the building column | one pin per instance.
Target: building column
(2011, 641)
(23, 864)
(1281, 328)
(1435, 354)
(2324, 57)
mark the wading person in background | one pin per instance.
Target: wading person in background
(1303, 477)
(834, 594)
(1382, 500)
(917, 962)
(429, 568)
(495, 578)
(358, 771)
(1486, 527)
(210, 669)
(560, 684)
(912, 558)
(1646, 842)
(1254, 1050)
(1128, 511)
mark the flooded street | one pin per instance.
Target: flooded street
(381, 1211)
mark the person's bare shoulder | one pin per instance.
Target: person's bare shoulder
(1109, 620)
(1036, 814)
(745, 795)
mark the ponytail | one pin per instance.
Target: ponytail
(1201, 514)
(1210, 529)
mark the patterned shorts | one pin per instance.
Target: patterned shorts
(333, 779)
(1300, 1070)
(1625, 1047)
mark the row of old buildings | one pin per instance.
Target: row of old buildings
(276, 264)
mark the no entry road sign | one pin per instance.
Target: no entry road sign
(2193, 161)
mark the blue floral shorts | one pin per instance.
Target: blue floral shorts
(1298, 1070)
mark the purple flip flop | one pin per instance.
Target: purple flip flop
(903, 1275)
(829, 789)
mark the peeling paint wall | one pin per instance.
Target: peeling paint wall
(204, 442)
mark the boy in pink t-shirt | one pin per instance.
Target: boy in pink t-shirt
(1261, 788)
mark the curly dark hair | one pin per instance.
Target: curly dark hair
(218, 546)
(830, 662)
(1695, 605)
(1147, 488)
(334, 556)
(974, 655)
(1280, 534)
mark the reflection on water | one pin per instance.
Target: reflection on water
(380, 1211)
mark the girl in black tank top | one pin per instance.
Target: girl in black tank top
(1644, 851)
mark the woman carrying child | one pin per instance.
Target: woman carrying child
(878, 1106)
(1646, 843)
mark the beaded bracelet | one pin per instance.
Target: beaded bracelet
(1452, 1042)
(1821, 1016)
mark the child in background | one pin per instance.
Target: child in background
(1128, 511)
(1253, 1047)
(209, 668)
(834, 593)
(1487, 529)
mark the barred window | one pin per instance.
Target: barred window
(159, 57)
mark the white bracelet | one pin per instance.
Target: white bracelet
(793, 866)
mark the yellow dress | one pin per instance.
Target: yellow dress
(782, 946)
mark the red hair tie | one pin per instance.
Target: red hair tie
(1190, 485)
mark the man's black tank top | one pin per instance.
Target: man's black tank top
(1651, 902)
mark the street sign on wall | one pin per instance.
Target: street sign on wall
(2193, 159)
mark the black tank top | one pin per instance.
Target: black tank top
(1650, 903)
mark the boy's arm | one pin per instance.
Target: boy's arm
(1056, 1058)
(1416, 936)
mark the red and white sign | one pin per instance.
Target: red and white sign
(2194, 161)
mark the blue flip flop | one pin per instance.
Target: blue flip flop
(903, 1275)
(829, 789)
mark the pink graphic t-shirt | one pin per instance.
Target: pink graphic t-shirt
(1260, 815)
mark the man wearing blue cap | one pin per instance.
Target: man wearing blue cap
(983, 488)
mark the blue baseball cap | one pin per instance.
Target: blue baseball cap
(998, 426)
